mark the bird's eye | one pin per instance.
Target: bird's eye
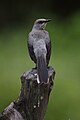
(40, 22)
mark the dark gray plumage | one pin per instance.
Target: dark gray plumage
(39, 46)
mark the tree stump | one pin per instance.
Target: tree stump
(33, 100)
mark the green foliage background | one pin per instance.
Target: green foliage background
(64, 102)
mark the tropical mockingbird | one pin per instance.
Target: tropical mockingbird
(39, 47)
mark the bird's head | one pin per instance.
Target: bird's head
(40, 24)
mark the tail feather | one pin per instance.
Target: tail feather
(42, 69)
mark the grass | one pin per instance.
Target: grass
(64, 103)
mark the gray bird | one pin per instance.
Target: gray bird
(39, 47)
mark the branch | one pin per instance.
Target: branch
(33, 100)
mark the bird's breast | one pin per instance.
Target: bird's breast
(39, 35)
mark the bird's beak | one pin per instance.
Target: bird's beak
(48, 20)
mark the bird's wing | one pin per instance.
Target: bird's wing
(48, 46)
(30, 48)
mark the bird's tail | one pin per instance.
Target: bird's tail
(42, 68)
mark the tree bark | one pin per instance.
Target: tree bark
(33, 100)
